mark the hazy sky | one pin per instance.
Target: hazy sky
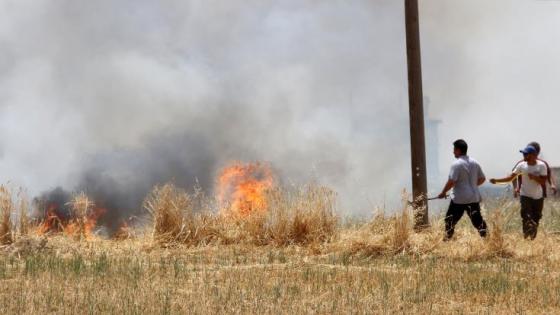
(145, 91)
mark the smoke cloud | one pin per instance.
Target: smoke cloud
(114, 97)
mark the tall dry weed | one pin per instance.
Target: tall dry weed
(400, 240)
(301, 215)
(176, 220)
(382, 236)
(496, 244)
(293, 216)
(23, 207)
(6, 210)
(81, 205)
(167, 205)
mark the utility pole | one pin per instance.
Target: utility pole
(416, 109)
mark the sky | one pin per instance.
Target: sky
(127, 94)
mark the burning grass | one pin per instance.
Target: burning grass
(74, 215)
(83, 220)
(292, 216)
(249, 209)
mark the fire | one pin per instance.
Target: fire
(84, 226)
(53, 221)
(58, 219)
(241, 188)
(124, 232)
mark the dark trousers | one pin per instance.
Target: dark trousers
(531, 214)
(455, 212)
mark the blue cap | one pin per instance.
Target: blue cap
(528, 150)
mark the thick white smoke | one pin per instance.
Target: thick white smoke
(137, 92)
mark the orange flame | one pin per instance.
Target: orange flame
(56, 223)
(89, 224)
(124, 232)
(242, 188)
(52, 221)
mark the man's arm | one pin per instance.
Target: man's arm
(481, 181)
(453, 177)
(505, 179)
(516, 183)
(450, 183)
(541, 179)
(550, 179)
(481, 176)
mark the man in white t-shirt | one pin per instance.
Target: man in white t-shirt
(551, 181)
(533, 174)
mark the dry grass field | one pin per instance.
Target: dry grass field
(297, 257)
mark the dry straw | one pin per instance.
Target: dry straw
(167, 205)
(496, 243)
(382, 236)
(81, 206)
(379, 267)
(6, 210)
(302, 215)
(23, 206)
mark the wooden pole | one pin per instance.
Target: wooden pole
(416, 109)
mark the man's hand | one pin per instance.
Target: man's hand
(537, 178)
(516, 192)
(450, 184)
(554, 190)
(493, 180)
